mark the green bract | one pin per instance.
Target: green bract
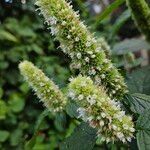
(44, 88)
(100, 111)
(87, 53)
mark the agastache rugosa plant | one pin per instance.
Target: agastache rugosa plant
(97, 88)
(87, 53)
(95, 106)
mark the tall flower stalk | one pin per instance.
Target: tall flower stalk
(141, 15)
(44, 88)
(100, 111)
(87, 53)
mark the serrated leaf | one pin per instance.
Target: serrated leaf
(83, 138)
(143, 126)
(130, 45)
(60, 121)
(71, 109)
(138, 102)
(139, 81)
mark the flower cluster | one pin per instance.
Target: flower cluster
(87, 53)
(100, 111)
(44, 88)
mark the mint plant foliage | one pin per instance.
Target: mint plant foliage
(104, 109)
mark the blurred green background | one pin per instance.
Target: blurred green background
(23, 36)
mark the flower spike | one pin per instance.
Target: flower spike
(44, 88)
(100, 111)
(87, 53)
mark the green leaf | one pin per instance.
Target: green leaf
(143, 135)
(120, 21)
(24, 87)
(129, 45)
(3, 109)
(71, 109)
(1, 92)
(138, 102)
(3, 65)
(60, 121)
(139, 81)
(109, 9)
(16, 102)
(83, 138)
(4, 35)
(16, 137)
(30, 144)
(3, 135)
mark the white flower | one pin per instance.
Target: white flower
(76, 39)
(88, 44)
(82, 112)
(103, 76)
(129, 139)
(71, 55)
(114, 127)
(68, 36)
(90, 52)
(103, 114)
(101, 123)
(52, 20)
(120, 135)
(87, 59)
(91, 100)
(97, 80)
(132, 129)
(73, 28)
(80, 97)
(71, 94)
(108, 140)
(125, 126)
(93, 56)
(63, 23)
(53, 30)
(76, 66)
(113, 91)
(106, 60)
(79, 55)
(92, 71)
(90, 118)
(42, 84)
(98, 49)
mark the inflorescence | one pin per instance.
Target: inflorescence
(87, 53)
(95, 91)
(44, 88)
(101, 112)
